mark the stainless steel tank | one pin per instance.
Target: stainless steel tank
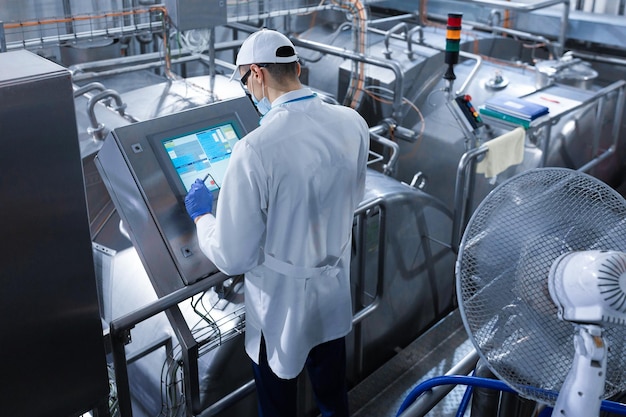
(490, 66)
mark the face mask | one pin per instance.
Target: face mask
(263, 105)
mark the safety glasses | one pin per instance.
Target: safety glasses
(244, 78)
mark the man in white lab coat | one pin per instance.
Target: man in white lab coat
(284, 218)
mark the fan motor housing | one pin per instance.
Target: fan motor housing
(588, 286)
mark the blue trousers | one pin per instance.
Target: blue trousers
(326, 366)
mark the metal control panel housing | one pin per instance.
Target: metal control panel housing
(136, 165)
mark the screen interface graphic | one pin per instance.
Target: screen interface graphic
(203, 154)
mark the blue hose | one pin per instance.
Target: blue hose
(451, 380)
(467, 396)
(610, 406)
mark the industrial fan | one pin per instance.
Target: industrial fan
(541, 281)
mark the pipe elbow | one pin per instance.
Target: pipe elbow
(97, 128)
(409, 39)
(400, 27)
(120, 106)
(79, 91)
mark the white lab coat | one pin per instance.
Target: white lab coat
(284, 218)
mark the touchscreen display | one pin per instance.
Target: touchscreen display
(203, 154)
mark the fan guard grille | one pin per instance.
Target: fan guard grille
(502, 269)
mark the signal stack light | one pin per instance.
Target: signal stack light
(453, 42)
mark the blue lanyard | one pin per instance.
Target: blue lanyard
(293, 100)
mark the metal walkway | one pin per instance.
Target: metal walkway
(432, 354)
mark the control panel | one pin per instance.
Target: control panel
(148, 168)
(464, 104)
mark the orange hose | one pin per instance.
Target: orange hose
(362, 17)
(507, 18)
(166, 47)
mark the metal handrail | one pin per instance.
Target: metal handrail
(617, 121)
(462, 190)
(120, 332)
(548, 122)
(120, 328)
(464, 186)
(361, 213)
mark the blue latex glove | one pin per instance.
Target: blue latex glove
(199, 200)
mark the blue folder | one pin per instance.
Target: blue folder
(517, 107)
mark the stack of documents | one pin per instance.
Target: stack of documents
(513, 109)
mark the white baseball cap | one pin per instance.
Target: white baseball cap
(266, 47)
